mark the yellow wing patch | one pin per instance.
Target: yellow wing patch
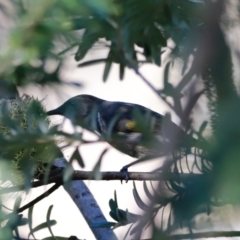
(131, 125)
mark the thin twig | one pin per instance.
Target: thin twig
(201, 235)
(152, 87)
(39, 198)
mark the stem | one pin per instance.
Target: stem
(38, 199)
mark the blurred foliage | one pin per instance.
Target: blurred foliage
(19, 119)
(43, 32)
(39, 25)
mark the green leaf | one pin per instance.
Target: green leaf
(30, 212)
(121, 71)
(92, 62)
(107, 69)
(68, 171)
(76, 156)
(89, 38)
(112, 204)
(147, 192)
(17, 203)
(175, 187)
(115, 198)
(14, 220)
(138, 200)
(22, 222)
(48, 221)
(202, 127)
(96, 170)
(168, 87)
(104, 224)
(42, 226)
(155, 52)
(114, 215)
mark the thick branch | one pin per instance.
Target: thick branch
(87, 205)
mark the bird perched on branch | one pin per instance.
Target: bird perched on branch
(131, 128)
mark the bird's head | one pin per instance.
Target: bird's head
(77, 108)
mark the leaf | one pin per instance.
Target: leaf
(30, 212)
(104, 224)
(6, 120)
(122, 215)
(115, 197)
(42, 226)
(48, 221)
(23, 221)
(96, 170)
(129, 229)
(147, 192)
(76, 156)
(112, 204)
(138, 200)
(202, 127)
(121, 71)
(107, 69)
(17, 203)
(166, 74)
(89, 38)
(14, 220)
(114, 215)
(68, 172)
(112, 124)
(156, 55)
(176, 187)
(91, 62)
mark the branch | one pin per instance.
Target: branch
(201, 235)
(151, 86)
(87, 205)
(109, 176)
(38, 199)
(136, 176)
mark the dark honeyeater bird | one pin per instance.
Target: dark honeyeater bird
(136, 130)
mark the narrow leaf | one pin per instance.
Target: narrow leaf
(42, 226)
(96, 169)
(121, 71)
(48, 221)
(30, 213)
(202, 127)
(68, 171)
(17, 203)
(147, 192)
(138, 200)
(91, 62)
(76, 156)
(112, 204)
(104, 224)
(107, 69)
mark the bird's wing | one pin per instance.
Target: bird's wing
(128, 118)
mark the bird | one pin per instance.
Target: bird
(131, 128)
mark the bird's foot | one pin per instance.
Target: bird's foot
(124, 170)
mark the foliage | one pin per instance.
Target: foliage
(135, 33)
(23, 116)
